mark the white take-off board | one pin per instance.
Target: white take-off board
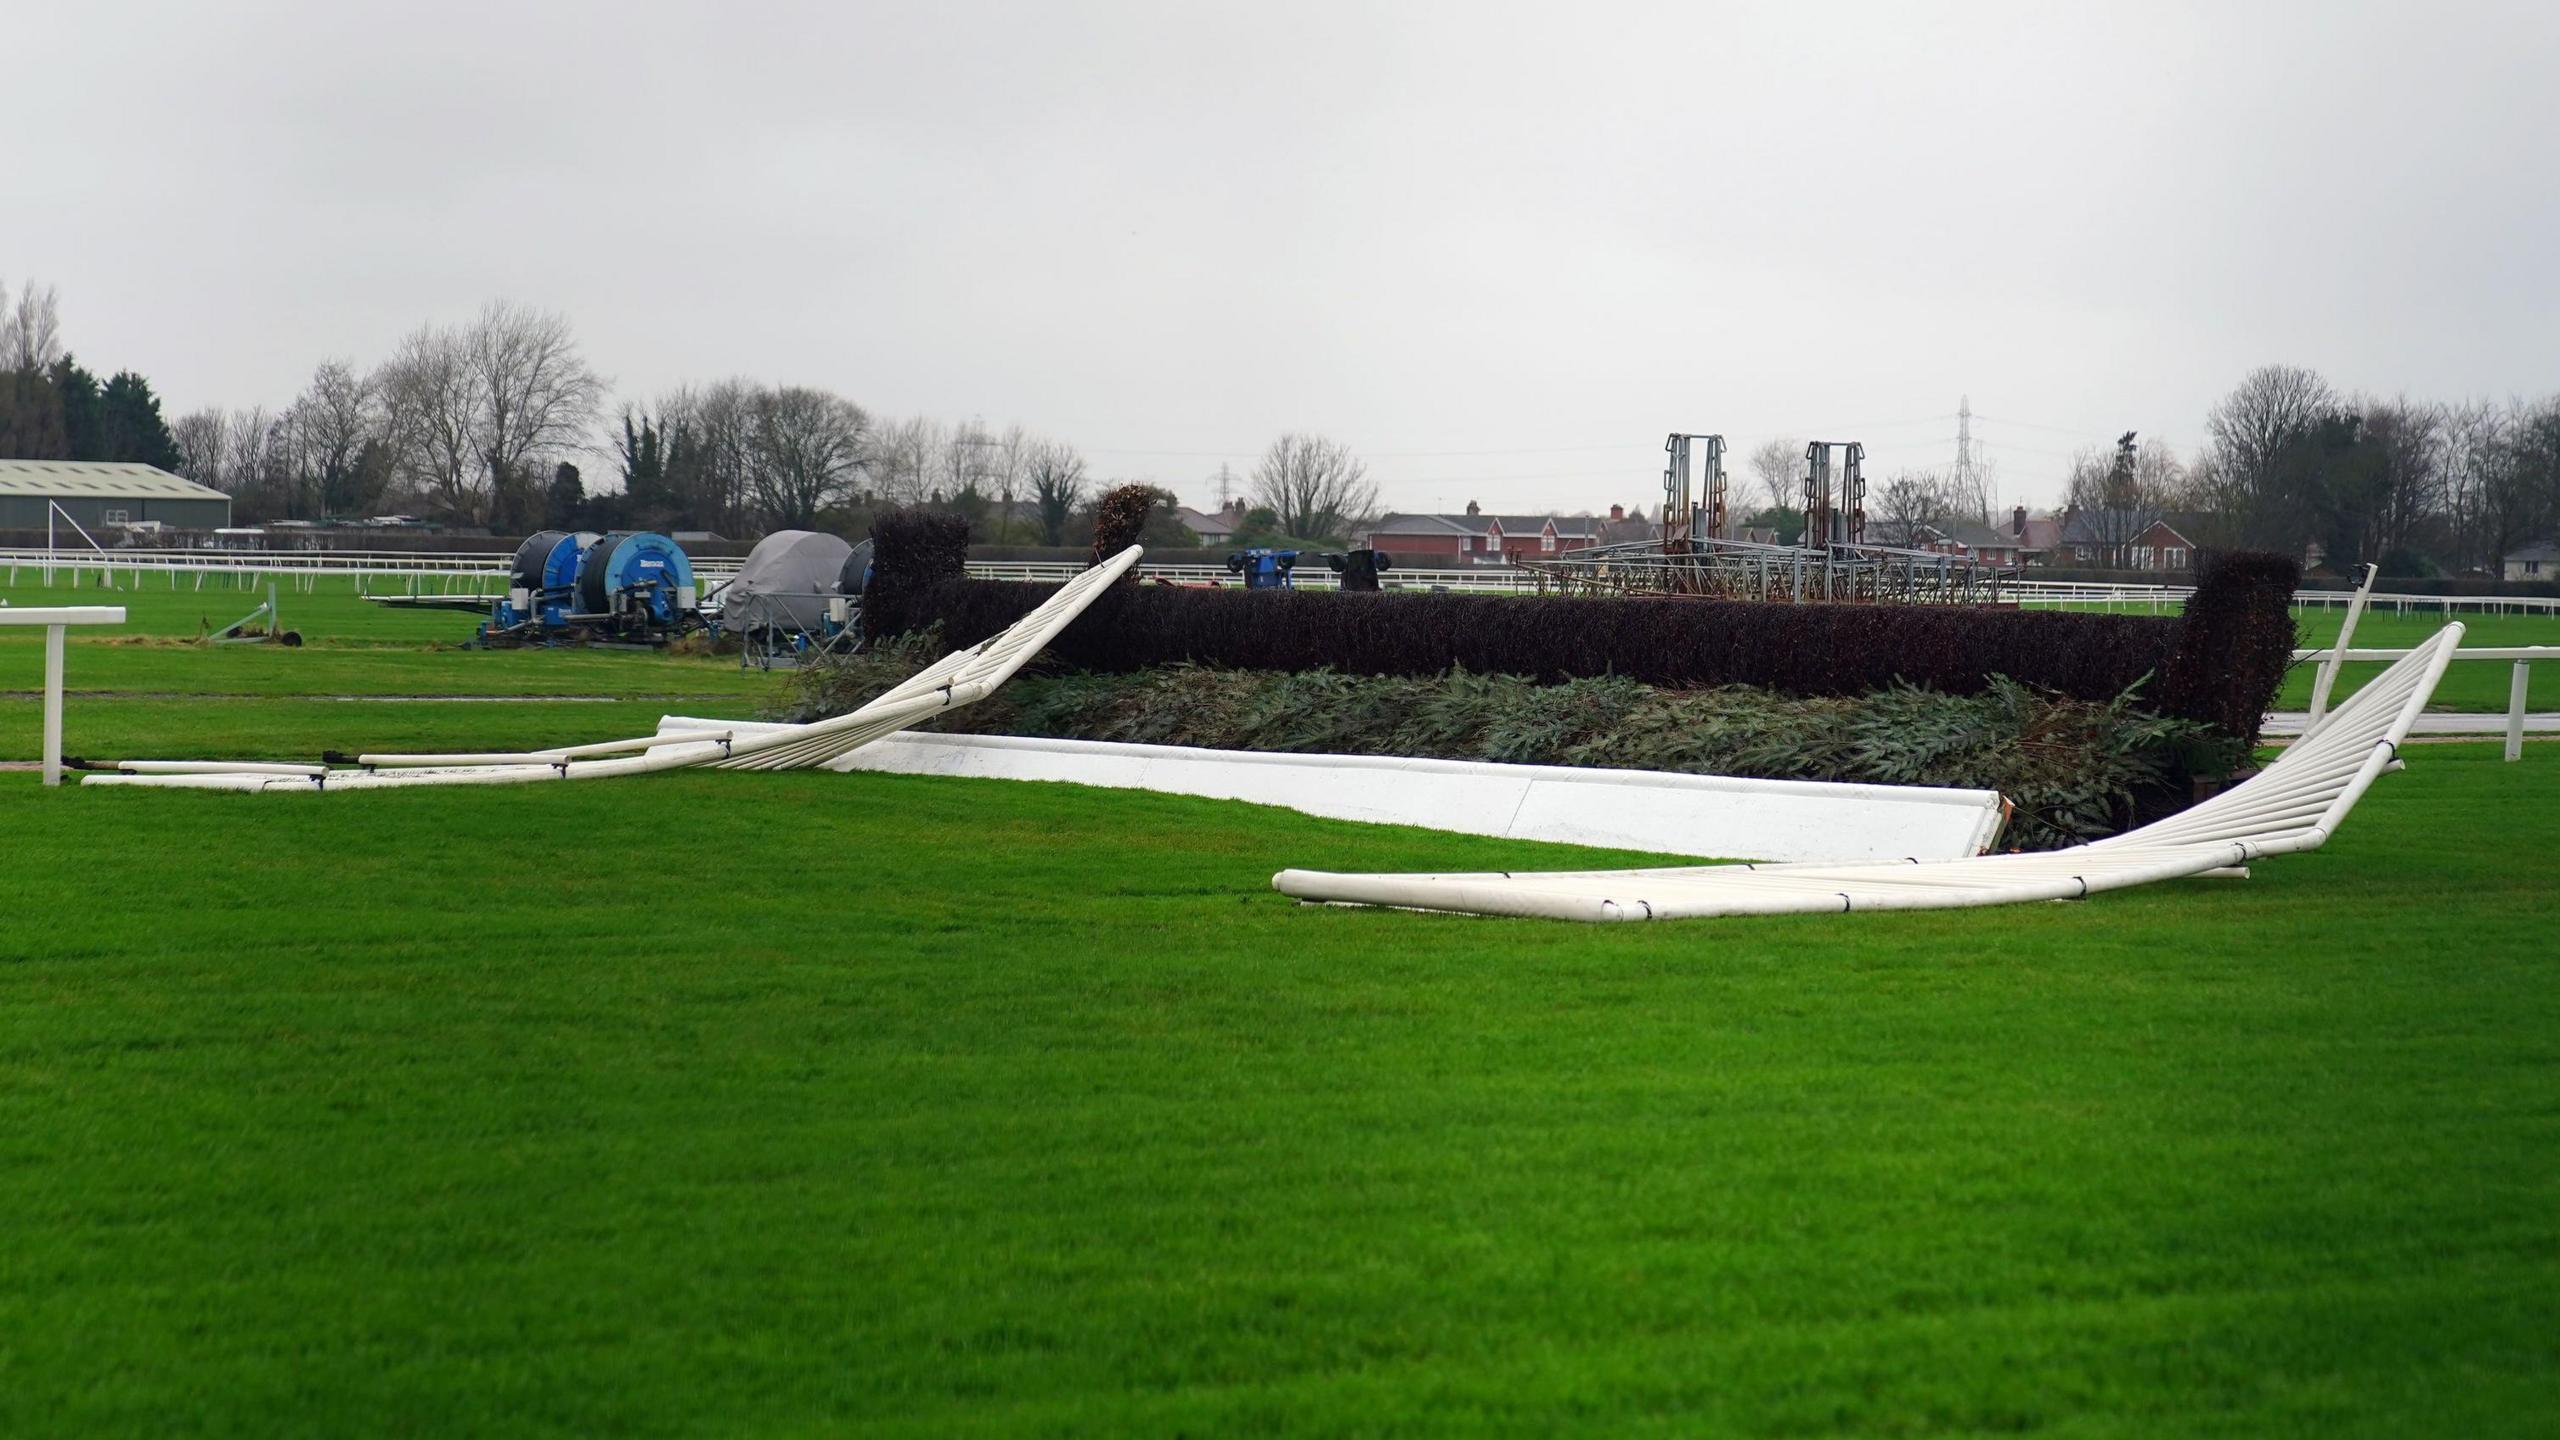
(1704, 815)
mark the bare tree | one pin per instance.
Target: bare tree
(1057, 487)
(1911, 507)
(2257, 433)
(962, 464)
(31, 329)
(2521, 497)
(902, 460)
(2107, 503)
(1008, 459)
(2475, 434)
(432, 400)
(536, 394)
(2404, 474)
(341, 438)
(203, 443)
(803, 452)
(1777, 473)
(256, 463)
(718, 438)
(1315, 485)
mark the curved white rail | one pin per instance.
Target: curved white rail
(955, 680)
(2294, 804)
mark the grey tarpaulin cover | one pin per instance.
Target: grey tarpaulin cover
(785, 582)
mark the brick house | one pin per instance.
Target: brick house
(1971, 540)
(1474, 537)
(2118, 540)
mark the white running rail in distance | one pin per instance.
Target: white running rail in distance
(955, 680)
(2294, 804)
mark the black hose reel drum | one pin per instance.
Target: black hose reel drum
(1359, 569)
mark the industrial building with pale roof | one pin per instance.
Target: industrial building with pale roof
(98, 494)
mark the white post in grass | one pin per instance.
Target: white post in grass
(2515, 708)
(55, 620)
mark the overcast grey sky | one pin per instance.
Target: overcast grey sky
(1500, 249)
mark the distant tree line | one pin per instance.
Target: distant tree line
(487, 423)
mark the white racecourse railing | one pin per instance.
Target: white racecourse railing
(2026, 592)
(55, 619)
(447, 572)
(486, 570)
(2519, 679)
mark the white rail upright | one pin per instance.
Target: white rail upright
(2346, 636)
(2517, 680)
(55, 619)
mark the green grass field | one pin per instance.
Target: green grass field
(797, 1104)
(138, 691)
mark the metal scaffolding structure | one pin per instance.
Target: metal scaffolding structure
(1830, 562)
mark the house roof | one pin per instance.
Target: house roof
(2110, 527)
(1567, 526)
(98, 480)
(1421, 525)
(2538, 550)
(1203, 523)
(1974, 535)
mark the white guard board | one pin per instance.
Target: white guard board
(1704, 815)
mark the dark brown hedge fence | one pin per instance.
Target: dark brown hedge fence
(2220, 665)
(913, 551)
(2235, 642)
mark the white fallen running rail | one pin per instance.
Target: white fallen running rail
(2294, 804)
(958, 679)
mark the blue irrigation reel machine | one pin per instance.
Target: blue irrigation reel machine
(576, 587)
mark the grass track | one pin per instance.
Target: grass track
(809, 1104)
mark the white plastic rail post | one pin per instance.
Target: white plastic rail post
(2516, 687)
(2337, 655)
(55, 620)
(53, 704)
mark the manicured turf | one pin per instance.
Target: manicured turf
(291, 728)
(800, 1104)
(2469, 685)
(137, 691)
(332, 613)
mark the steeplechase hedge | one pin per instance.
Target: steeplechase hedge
(2235, 640)
(912, 551)
(2074, 769)
(2219, 663)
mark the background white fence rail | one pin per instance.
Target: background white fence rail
(463, 572)
(485, 571)
(2519, 679)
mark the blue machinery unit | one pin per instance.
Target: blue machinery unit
(541, 579)
(1276, 569)
(571, 587)
(1264, 569)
